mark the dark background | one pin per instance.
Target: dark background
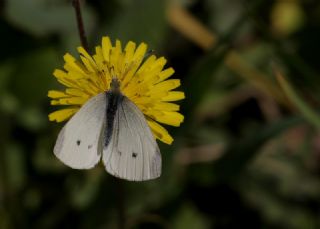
(247, 155)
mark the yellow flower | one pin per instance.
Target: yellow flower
(144, 81)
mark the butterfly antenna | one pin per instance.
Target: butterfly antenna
(148, 54)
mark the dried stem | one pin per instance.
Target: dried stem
(82, 34)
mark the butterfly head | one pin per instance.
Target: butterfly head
(115, 85)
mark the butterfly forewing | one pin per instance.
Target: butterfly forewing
(79, 144)
(132, 152)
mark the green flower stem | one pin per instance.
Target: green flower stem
(308, 113)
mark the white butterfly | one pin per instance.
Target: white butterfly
(110, 125)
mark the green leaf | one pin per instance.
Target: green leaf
(240, 153)
(33, 76)
(307, 112)
(32, 118)
(6, 69)
(47, 17)
(189, 217)
(15, 165)
(9, 104)
(139, 21)
(83, 194)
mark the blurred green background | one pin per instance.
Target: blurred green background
(248, 153)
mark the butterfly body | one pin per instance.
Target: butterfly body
(115, 99)
(110, 126)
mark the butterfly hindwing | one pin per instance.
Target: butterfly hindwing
(132, 152)
(79, 142)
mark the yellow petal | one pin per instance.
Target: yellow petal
(85, 54)
(160, 62)
(166, 85)
(170, 118)
(62, 115)
(76, 92)
(90, 67)
(56, 94)
(98, 58)
(115, 56)
(153, 114)
(140, 52)
(72, 63)
(174, 96)
(64, 78)
(163, 106)
(158, 95)
(160, 132)
(69, 101)
(165, 74)
(129, 50)
(74, 75)
(59, 74)
(157, 66)
(147, 64)
(106, 48)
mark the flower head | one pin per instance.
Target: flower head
(142, 79)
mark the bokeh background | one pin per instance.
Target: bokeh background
(248, 153)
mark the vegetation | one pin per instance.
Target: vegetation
(247, 154)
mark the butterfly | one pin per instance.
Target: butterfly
(111, 127)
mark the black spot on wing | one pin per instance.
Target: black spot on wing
(134, 155)
(78, 142)
(89, 146)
